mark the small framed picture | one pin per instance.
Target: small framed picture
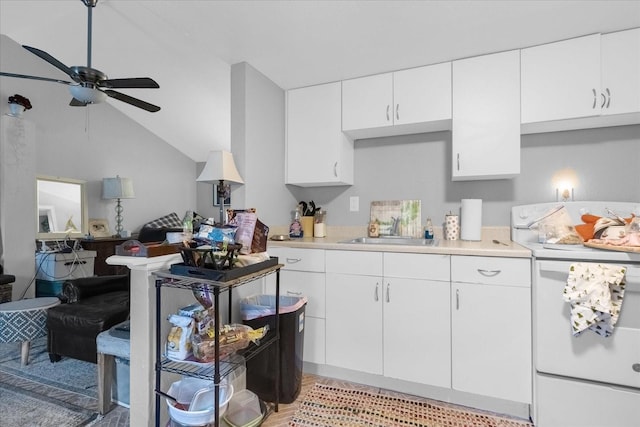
(227, 195)
(99, 227)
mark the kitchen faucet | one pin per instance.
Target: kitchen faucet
(395, 226)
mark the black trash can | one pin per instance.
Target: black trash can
(258, 311)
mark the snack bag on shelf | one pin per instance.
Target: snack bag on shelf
(179, 338)
(203, 317)
(233, 337)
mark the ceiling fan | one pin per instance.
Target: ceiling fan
(88, 85)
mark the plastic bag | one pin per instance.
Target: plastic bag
(556, 227)
(233, 337)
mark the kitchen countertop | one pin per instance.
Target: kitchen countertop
(485, 247)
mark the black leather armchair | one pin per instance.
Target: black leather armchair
(89, 306)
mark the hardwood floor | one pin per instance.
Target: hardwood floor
(119, 416)
(286, 411)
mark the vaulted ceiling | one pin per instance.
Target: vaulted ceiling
(188, 46)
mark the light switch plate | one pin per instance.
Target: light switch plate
(354, 204)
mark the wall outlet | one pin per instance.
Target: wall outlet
(354, 204)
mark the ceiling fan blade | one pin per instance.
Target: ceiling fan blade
(51, 60)
(77, 103)
(24, 76)
(131, 83)
(133, 101)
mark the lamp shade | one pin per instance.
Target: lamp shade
(220, 166)
(117, 188)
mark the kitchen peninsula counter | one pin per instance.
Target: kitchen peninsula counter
(484, 247)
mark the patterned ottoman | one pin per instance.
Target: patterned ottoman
(25, 320)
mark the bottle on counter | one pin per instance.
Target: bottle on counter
(374, 228)
(319, 226)
(428, 229)
(295, 229)
(187, 226)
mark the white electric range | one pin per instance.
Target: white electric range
(587, 380)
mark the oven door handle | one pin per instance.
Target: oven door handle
(633, 272)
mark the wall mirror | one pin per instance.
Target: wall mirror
(62, 208)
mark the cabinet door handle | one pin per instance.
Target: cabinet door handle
(457, 299)
(293, 260)
(489, 273)
(608, 97)
(397, 111)
(294, 293)
(388, 287)
(636, 367)
(376, 294)
(595, 99)
(388, 111)
(335, 169)
(458, 160)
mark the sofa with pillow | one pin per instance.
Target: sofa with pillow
(156, 230)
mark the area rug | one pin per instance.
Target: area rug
(28, 403)
(42, 394)
(68, 374)
(327, 406)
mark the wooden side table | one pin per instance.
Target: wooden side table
(6, 287)
(105, 247)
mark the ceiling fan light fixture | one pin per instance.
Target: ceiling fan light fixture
(88, 95)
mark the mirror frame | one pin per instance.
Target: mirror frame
(84, 226)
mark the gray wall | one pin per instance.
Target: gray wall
(257, 143)
(606, 162)
(98, 141)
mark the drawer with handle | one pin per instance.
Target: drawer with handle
(299, 259)
(491, 270)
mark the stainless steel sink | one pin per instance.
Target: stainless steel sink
(392, 240)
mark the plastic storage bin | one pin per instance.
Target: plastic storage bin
(120, 393)
(260, 310)
(244, 410)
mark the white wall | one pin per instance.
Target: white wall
(98, 141)
(257, 142)
(90, 143)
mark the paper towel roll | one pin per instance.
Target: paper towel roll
(471, 221)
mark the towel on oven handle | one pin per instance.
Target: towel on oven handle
(595, 292)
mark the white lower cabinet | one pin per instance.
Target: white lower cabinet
(385, 318)
(491, 327)
(417, 325)
(303, 275)
(354, 310)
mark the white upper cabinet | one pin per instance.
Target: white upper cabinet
(486, 117)
(404, 102)
(621, 72)
(561, 80)
(367, 102)
(586, 82)
(317, 152)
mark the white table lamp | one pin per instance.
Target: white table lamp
(118, 188)
(219, 168)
